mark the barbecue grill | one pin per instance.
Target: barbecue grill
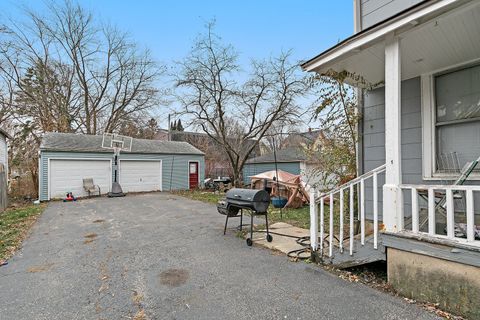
(256, 202)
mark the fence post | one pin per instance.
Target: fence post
(3, 188)
(313, 221)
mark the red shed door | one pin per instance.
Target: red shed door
(193, 174)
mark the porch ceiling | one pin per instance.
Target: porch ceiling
(442, 41)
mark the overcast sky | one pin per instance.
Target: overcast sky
(256, 28)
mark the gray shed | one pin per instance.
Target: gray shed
(152, 165)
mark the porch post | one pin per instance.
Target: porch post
(392, 195)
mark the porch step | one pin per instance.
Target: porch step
(361, 254)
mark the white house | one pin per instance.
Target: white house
(3, 168)
(420, 126)
(4, 149)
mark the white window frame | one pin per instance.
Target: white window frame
(428, 123)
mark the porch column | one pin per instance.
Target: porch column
(392, 195)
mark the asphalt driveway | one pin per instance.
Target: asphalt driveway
(165, 257)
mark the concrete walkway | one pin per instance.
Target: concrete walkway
(158, 256)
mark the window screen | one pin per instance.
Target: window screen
(457, 125)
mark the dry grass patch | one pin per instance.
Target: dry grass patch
(14, 227)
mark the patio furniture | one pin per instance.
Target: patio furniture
(449, 164)
(90, 187)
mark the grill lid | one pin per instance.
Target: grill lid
(248, 195)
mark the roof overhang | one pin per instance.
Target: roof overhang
(363, 54)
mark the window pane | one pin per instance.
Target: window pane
(462, 138)
(458, 95)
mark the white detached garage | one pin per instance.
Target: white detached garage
(66, 159)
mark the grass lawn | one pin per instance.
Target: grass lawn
(14, 227)
(297, 217)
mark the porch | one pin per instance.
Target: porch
(420, 76)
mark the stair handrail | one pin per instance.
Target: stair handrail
(366, 175)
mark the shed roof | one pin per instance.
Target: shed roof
(71, 142)
(283, 155)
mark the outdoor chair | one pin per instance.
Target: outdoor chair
(449, 164)
(90, 187)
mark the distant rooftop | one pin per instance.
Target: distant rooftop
(71, 142)
(283, 155)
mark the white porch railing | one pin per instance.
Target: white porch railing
(355, 186)
(437, 201)
(440, 200)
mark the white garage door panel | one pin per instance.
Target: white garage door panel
(138, 175)
(68, 175)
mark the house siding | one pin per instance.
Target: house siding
(374, 11)
(174, 167)
(373, 145)
(251, 169)
(411, 138)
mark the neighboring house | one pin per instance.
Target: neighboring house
(425, 56)
(152, 165)
(309, 139)
(216, 160)
(290, 160)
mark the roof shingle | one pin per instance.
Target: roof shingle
(71, 142)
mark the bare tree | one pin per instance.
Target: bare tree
(116, 78)
(64, 71)
(234, 114)
(101, 75)
(336, 109)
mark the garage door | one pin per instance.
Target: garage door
(140, 175)
(68, 175)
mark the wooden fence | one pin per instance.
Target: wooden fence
(3, 188)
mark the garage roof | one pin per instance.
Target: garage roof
(71, 142)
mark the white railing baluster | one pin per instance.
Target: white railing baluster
(330, 232)
(450, 214)
(362, 212)
(313, 220)
(415, 217)
(470, 216)
(351, 219)
(340, 236)
(442, 197)
(375, 211)
(321, 223)
(431, 211)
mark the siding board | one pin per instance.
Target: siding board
(411, 131)
(374, 11)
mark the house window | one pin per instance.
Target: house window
(451, 121)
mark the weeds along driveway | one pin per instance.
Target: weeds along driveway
(160, 256)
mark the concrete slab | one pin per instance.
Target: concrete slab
(283, 243)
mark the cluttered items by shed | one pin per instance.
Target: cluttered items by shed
(285, 188)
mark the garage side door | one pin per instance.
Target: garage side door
(140, 175)
(68, 175)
